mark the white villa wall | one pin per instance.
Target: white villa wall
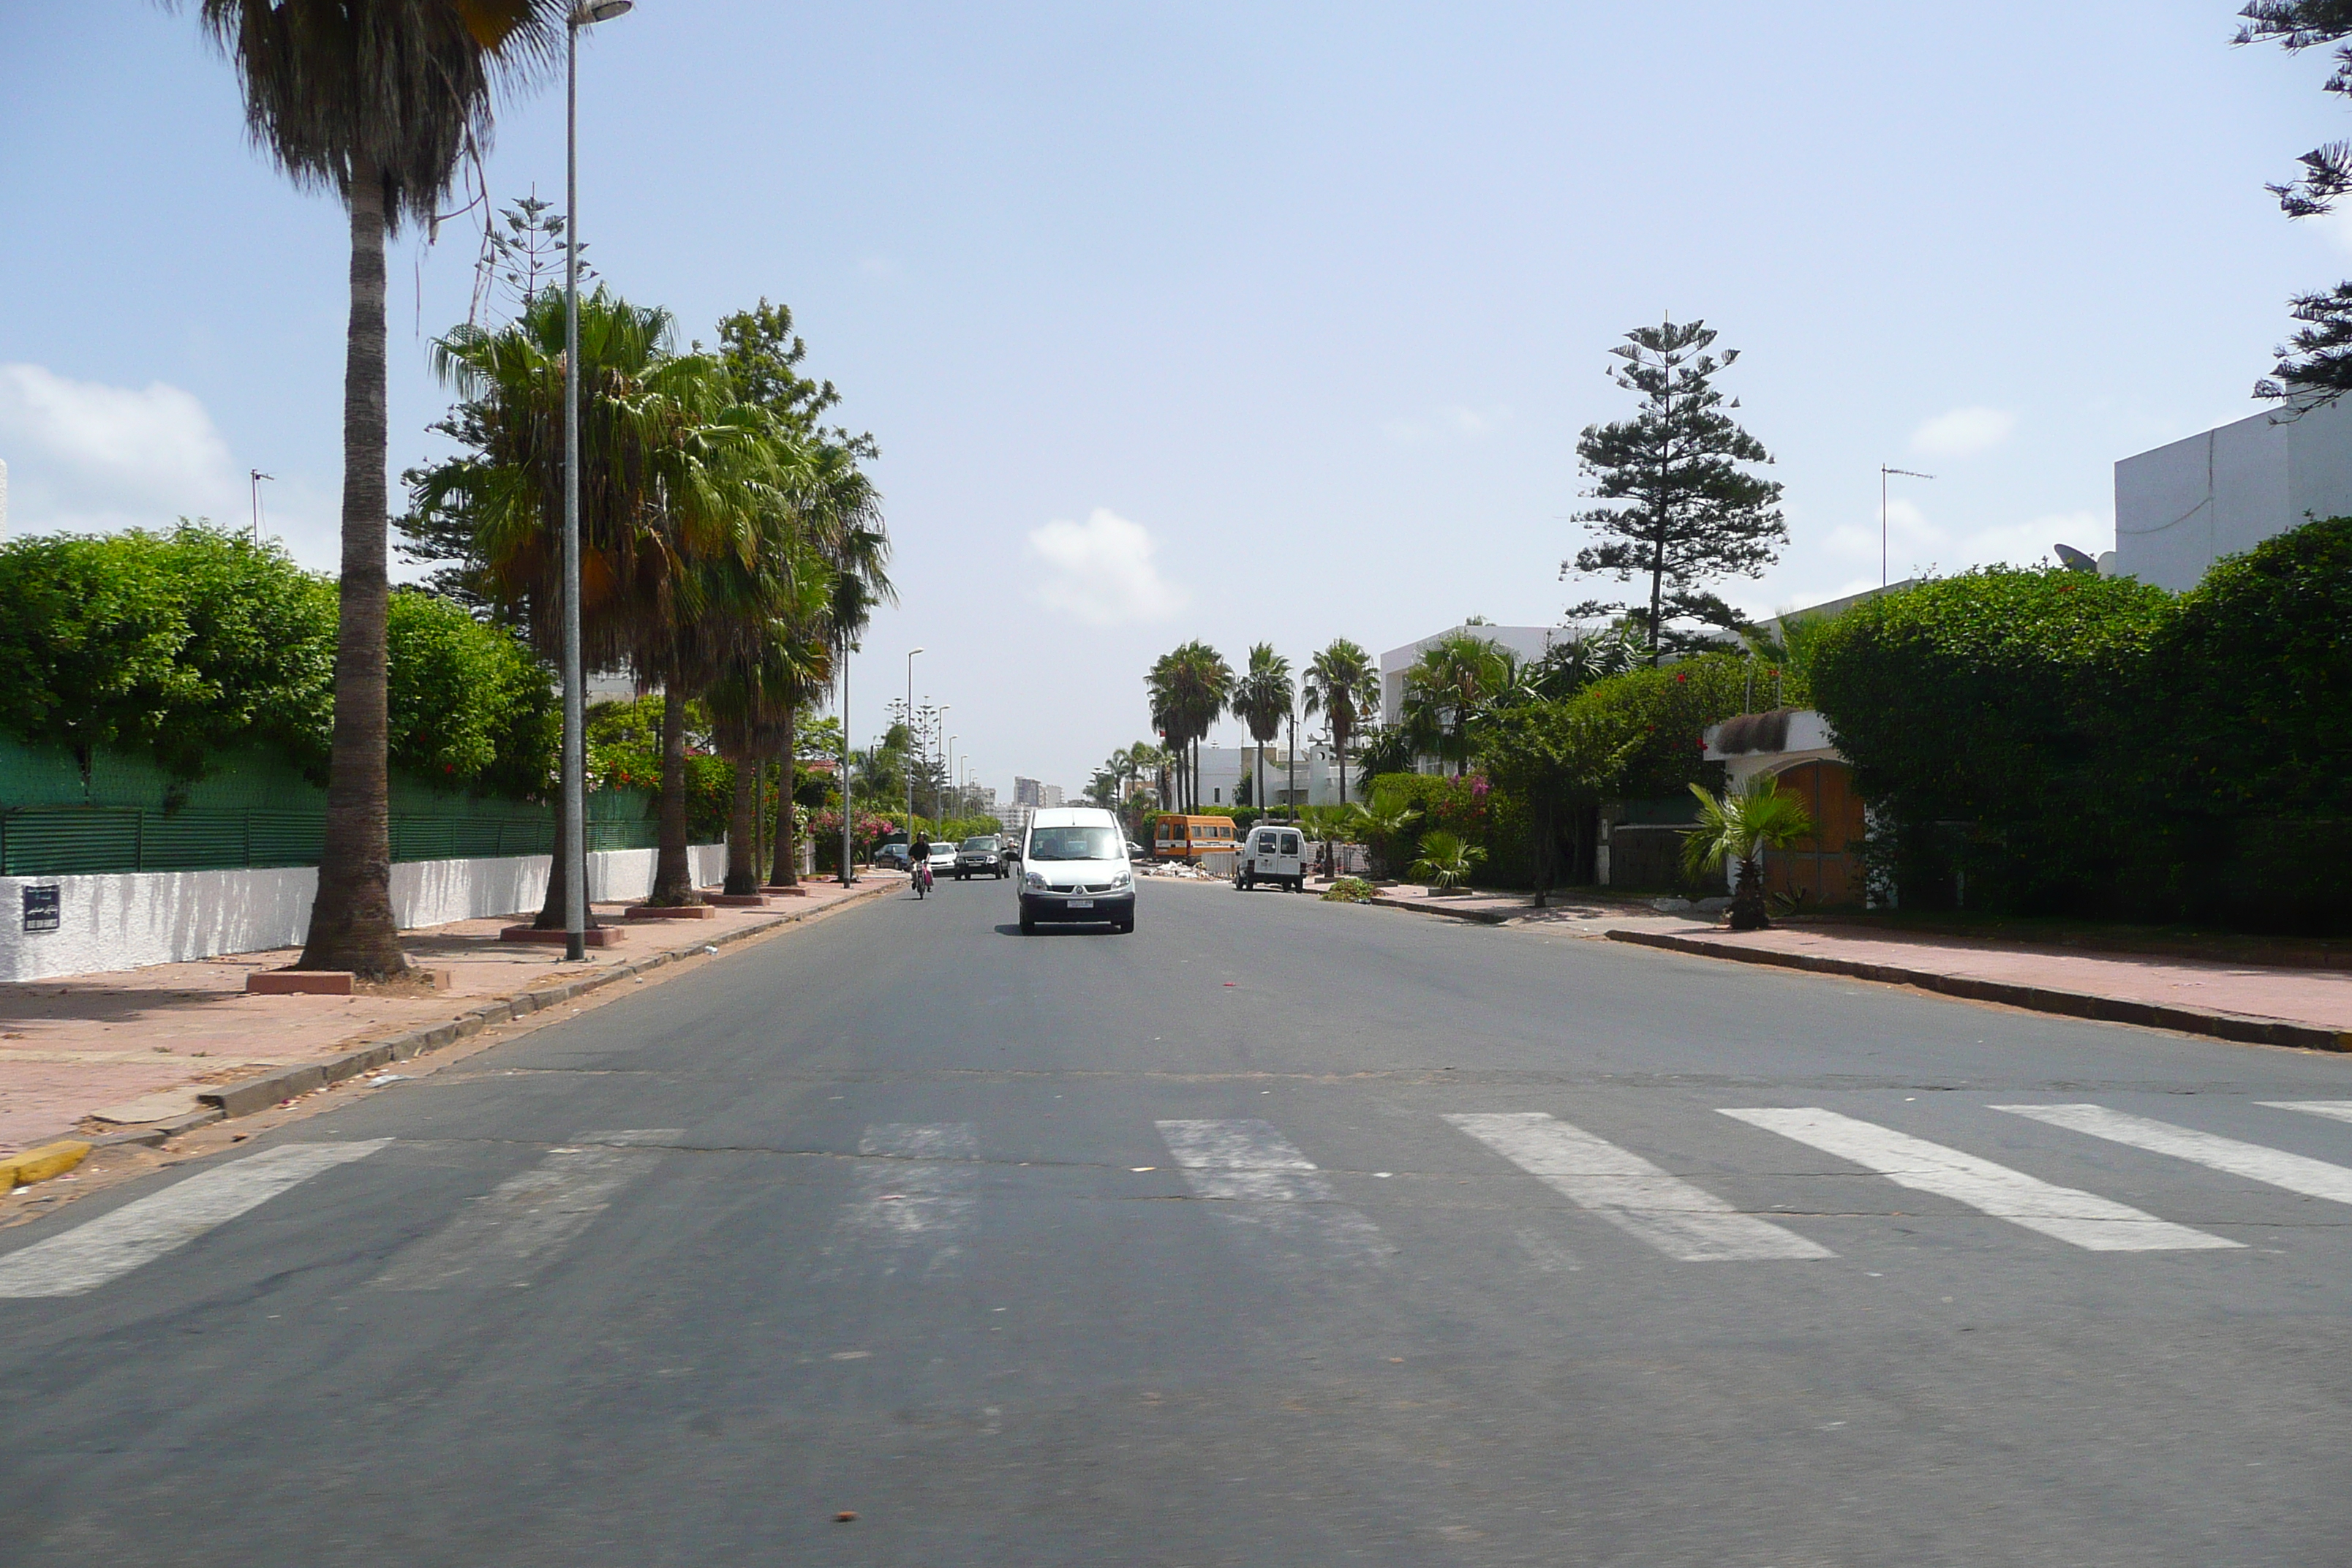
(2179, 507)
(128, 920)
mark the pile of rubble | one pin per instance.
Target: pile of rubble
(1175, 868)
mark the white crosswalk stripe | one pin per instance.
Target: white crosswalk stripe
(912, 1202)
(88, 1256)
(2295, 1172)
(1679, 1219)
(1255, 1176)
(2341, 1109)
(508, 1234)
(2098, 1223)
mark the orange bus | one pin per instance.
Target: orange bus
(1180, 837)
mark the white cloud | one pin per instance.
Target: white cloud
(1963, 433)
(83, 454)
(1102, 571)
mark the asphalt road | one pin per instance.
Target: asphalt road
(1162, 1249)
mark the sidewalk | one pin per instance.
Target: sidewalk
(93, 1055)
(2309, 1007)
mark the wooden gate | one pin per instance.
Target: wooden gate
(1827, 868)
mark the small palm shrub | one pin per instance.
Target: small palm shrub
(1447, 860)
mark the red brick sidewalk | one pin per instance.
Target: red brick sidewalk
(91, 1053)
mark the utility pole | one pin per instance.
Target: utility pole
(257, 477)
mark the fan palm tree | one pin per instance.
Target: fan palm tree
(842, 512)
(1446, 859)
(673, 476)
(1262, 700)
(1741, 827)
(1190, 687)
(376, 101)
(1343, 684)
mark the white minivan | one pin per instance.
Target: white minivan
(1271, 853)
(1073, 867)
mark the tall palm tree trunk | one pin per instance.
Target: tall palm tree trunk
(743, 827)
(786, 870)
(673, 868)
(352, 924)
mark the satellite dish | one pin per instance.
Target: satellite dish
(2074, 560)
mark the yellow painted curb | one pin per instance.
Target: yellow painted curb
(40, 1164)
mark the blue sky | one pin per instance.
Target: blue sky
(1235, 322)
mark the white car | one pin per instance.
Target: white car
(1073, 866)
(1273, 854)
(943, 860)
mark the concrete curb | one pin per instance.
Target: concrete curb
(1419, 906)
(40, 1164)
(248, 1096)
(2245, 1028)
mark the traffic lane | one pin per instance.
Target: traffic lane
(1088, 1121)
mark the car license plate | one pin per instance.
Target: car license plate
(1082, 903)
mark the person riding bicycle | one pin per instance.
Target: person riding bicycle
(918, 863)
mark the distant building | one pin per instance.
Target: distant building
(1030, 792)
(2182, 507)
(1314, 781)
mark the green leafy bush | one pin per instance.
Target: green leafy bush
(1349, 890)
(187, 646)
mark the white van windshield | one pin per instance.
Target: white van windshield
(1075, 844)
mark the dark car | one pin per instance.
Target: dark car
(980, 856)
(891, 856)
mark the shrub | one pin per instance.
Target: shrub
(1348, 891)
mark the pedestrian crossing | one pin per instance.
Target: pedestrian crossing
(912, 1209)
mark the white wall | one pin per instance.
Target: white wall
(130, 918)
(2182, 507)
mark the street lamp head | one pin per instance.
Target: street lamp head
(588, 13)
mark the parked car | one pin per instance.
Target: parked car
(891, 856)
(1074, 867)
(980, 856)
(1273, 854)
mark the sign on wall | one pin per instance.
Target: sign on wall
(43, 908)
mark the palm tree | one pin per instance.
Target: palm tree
(1190, 687)
(1741, 827)
(675, 478)
(1448, 687)
(1262, 701)
(375, 102)
(1343, 683)
(842, 512)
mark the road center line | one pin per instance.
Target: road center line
(90, 1255)
(1683, 1221)
(2100, 1225)
(2295, 1172)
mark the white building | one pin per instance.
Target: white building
(1030, 792)
(1526, 644)
(1314, 781)
(2179, 507)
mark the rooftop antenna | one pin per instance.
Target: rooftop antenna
(257, 476)
(1882, 471)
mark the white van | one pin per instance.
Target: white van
(1073, 867)
(1276, 853)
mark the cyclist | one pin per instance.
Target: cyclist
(918, 863)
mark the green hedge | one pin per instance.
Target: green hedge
(191, 645)
(2052, 742)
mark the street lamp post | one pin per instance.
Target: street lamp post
(574, 846)
(846, 877)
(950, 777)
(910, 751)
(1882, 471)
